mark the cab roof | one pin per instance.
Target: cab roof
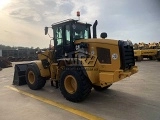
(69, 21)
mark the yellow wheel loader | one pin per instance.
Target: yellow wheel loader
(137, 55)
(147, 50)
(137, 52)
(77, 63)
(158, 51)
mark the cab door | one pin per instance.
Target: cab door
(58, 42)
(63, 41)
(68, 40)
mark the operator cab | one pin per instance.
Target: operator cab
(66, 32)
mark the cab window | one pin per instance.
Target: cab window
(67, 34)
(80, 31)
(59, 39)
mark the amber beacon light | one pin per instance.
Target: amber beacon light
(78, 14)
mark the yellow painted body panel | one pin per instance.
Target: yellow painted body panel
(145, 53)
(54, 71)
(98, 40)
(149, 52)
(137, 53)
(99, 73)
(43, 72)
(104, 74)
(110, 44)
(48, 54)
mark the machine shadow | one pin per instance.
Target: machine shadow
(117, 104)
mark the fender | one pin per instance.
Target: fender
(45, 72)
(64, 63)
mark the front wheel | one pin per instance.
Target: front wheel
(33, 78)
(74, 85)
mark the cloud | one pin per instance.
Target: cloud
(26, 13)
(121, 19)
(30, 10)
(66, 7)
(130, 19)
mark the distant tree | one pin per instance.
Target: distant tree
(4, 47)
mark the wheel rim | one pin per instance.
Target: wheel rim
(31, 77)
(70, 84)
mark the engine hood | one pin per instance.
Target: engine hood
(98, 40)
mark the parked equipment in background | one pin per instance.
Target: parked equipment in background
(137, 52)
(4, 63)
(19, 54)
(158, 51)
(143, 50)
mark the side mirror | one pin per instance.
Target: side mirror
(46, 30)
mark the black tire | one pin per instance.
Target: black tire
(33, 78)
(151, 58)
(136, 59)
(99, 88)
(78, 92)
(139, 58)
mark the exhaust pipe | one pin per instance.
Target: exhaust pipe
(94, 29)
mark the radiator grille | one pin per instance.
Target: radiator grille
(127, 55)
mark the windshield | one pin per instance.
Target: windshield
(80, 31)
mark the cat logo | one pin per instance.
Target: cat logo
(114, 56)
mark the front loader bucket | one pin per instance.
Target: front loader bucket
(19, 74)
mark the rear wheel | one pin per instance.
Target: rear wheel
(152, 58)
(74, 85)
(99, 88)
(33, 78)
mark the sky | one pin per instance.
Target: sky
(22, 22)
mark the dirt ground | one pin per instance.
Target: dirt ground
(134, 98)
